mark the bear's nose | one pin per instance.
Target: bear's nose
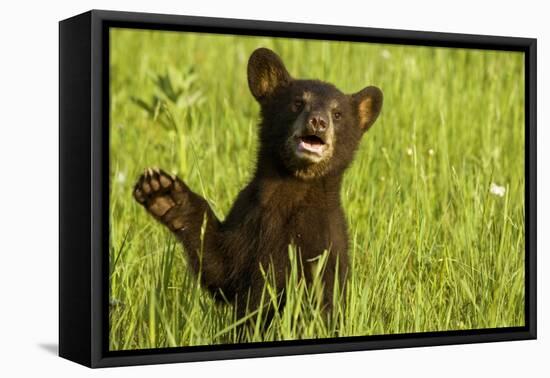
(317, 123)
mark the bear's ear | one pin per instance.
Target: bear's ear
(368, 103)
(266, 72)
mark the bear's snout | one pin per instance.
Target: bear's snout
(316, 123)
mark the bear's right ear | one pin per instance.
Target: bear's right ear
(266, 72)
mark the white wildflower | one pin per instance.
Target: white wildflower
(121, 177)
(409, 151)
(385, 54)
(431, 152)
(497, 190)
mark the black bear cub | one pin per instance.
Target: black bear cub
(308, 134)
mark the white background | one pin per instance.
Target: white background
(29, 188)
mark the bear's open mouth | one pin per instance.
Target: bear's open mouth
(311, 143)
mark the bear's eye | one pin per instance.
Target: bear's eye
(298, 104)
(337, 115)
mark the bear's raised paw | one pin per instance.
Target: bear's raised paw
(164, 196)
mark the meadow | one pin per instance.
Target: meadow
(434, 198)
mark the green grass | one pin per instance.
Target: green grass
(432, 248)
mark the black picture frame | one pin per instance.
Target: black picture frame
(83, 182)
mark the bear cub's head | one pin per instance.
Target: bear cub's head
(309, 127)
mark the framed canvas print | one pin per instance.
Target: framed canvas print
(234, 188)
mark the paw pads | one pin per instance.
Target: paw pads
(153, 190)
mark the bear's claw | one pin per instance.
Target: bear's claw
(159, 193)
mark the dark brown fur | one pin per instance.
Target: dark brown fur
(288, 201)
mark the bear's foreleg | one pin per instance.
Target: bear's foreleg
(169, 200)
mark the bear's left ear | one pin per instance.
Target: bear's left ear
(368, 103)
(266, 72)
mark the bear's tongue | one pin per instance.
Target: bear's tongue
(311, 143)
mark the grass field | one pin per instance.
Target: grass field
(434, 198)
